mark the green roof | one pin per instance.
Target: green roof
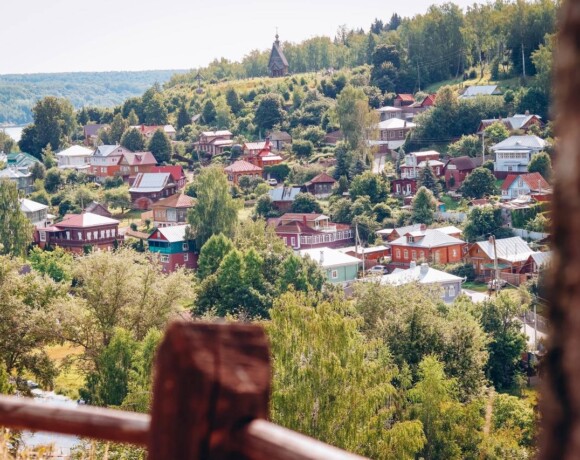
(500, 266)
(21, 160)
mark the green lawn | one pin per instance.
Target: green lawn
(474, 286)
(450, 203)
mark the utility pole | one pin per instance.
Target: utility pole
(495, 266)
(523, 61)
(418, 76)
(356, 246)
(483, 147)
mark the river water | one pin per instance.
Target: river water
(62, 444)
(15, 132)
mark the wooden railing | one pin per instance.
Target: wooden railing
(210, 400)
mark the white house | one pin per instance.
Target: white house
(523, 184)
(339, 268)
(75, 157)
(513, 154)
(37, 213)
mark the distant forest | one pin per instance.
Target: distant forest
(19, 93)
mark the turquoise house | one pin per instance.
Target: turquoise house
(340, 268)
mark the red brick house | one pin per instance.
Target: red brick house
(427, 245)
(177, 174)
(172, 210)
(77, 231)
(457, 169)
(242, 168)
(133, 163)
(264, 157)
(214, 142)
(148, 188)
(105, 161)
(304, 231)
(320, 186)
(391, 234)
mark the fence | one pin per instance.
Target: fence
(531, 235)
(451, 216)
(210, 400)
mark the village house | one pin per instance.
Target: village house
(177, 174)
(277, 64)
(523, 184)
(449, 285)
(241, 168)
(512, 256)
(75, 157)
(214, 142)
(36, 213)
(518, 122)
(311, 230)
(172, 210)
(480, 90)
(91, 133)
(373, 255)
(148, 188)
(133, 163)
(339, 268)
(105, 161)
(537, 261)
(427, 245)
(148, 131)
(393, 132)
(391, 234)
(21, 161)
(23, 179)
(280, 139)
(403, 100)
(260, 157)
(320, 186)
(283, 197)
(413, 163)
(97, 208)
(174, 247)
(79, 231)
(388, 112)
(457, 169)
(514, 154)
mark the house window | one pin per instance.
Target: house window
(451, 291)
(164, 258)
(437, 257)
(96, 235)
(185, 247)
(42, 236)
(113, 233)
(414, 255)
(401, 134)
(102, 234)
(481, 267)
(185, 257)
(89, 236)
(405, 254)
(293, 241)
(422, 254)
(286, 241)
(398, 253)
(103, 170)
(79, 235)
(454, 252)
(108, 233)
(334, 274)
(68, 235)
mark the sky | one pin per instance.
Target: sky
(80, 35)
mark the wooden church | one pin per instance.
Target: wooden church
(277, 65)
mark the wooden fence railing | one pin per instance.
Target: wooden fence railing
(210, 401)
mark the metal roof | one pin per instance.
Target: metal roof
(75, 151)
(527, 142)
(422, 274)
(284, 193)
(150, 182)
(31, 206)
(431, 238)
(513, 249)
(172, 234)
(329, 258)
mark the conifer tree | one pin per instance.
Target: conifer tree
(424, 205)
(428, 180)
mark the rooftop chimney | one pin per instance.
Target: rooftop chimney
(527, 112)
(321, 257)
(413, 264)
(304, 219)
(423, 227)
(424, 268)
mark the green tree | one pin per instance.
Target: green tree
(385, 70)
(57, 263)
(374, 186)
(160, 146)
(467, 145)
(117, 129)
(269, 111)
(424, 205)
(132, 118)
(38, 171)
(154, 111)
(541, 163)
(54, 124)
(302, 148)
(211, 255)
(183, 118)
(208, 113)
(265, 207)
(331, 358)
(234, 101)
(133, 140)
(354, 117)
(215, 211)
(7, 144)
(479, 183)
(223, 114)
(48, 158)
(496, 132)
(16, 230)
(507, 342)
(305, 203)
(483, 222)
(118, 198)
(428, 180)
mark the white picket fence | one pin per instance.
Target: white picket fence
(451, 216)
(531, 235)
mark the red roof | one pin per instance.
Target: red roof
(242, 166)
(534, 181)
(406, 97)
(85, 220)
(429, 100)
(139, 158)
(322, 178)
(175, 171)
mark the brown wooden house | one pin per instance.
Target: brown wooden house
(151, 187)
(320, 186)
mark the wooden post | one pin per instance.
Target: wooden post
(211, 380)
(560, 401)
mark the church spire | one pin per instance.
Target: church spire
(277, 38)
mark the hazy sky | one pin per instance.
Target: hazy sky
(82, 35)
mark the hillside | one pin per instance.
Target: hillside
(18, 93)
